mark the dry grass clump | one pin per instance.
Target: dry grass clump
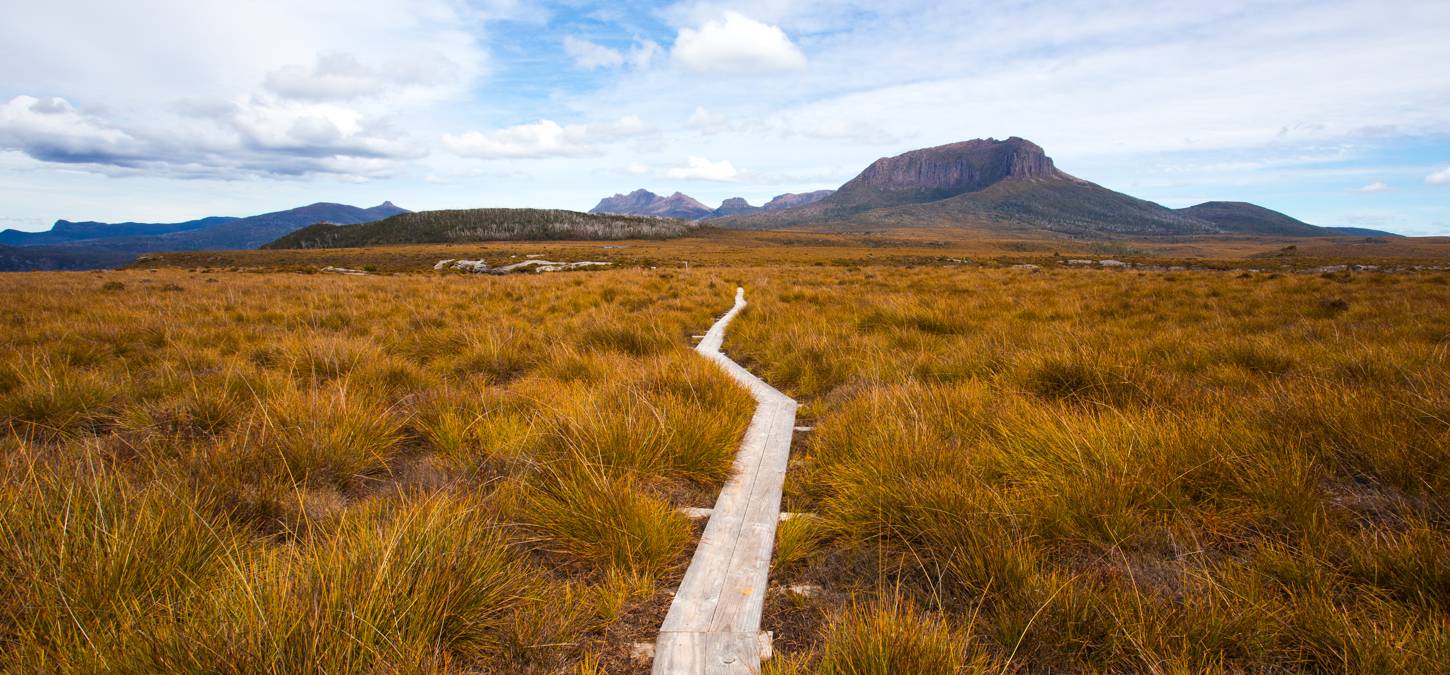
(1089, 471)
(284, 472)
(431, 583)
(891, 637)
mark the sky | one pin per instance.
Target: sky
(1337, 113)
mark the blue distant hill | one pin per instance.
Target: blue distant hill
(91, 245)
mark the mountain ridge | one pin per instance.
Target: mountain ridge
(215, 232)
(642, 202)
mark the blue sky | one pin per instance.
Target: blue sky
(1335, 112)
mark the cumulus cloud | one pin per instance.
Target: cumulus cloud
(1377, 186)
(736, 44)
(52, 130)
(545, 138)
(212, 140)
(699, 168)
(1441, 177)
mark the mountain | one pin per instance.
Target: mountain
(108, 248)
(64, 231)
(1008, 186)
(678, 205)
(792, 199)
(645, 203)
(469, 225)
(1246, 218)
(733, 206)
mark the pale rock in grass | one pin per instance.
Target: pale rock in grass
(1112, 263)
(471, 267)
(545, 266)
(804, 590)
(442, 264)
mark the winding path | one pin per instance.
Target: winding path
(713, 625)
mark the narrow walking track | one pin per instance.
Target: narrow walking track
(713, 625)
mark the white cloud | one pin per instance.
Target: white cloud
(699, 168)
(736, 44)
(637, 169)
(51, 130)
(341, 76)
(545, 138)
(247, 137)
(707, 121)
(1377, 186)
(1441, 177)
(839, 129)
(589, 55)
(592, 55)
(643, 53)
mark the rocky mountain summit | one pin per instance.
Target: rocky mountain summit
(949, 170)
(645, 203)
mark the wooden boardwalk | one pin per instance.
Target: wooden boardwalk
(713, 625)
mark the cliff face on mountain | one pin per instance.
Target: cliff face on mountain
(949, 170)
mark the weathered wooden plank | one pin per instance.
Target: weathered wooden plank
(713, 623)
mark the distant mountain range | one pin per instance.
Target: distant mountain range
(468, 225)
(985, 186)
(998, 187)
(678, 205)
(91, 245)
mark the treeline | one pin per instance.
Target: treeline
(469, 225)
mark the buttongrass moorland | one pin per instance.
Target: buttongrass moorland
(1011, 470)
(1110, 471)
(311, 473)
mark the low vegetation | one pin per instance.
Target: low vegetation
(468, 225)
(1112, 471)
(261, 473)
(1063, 469)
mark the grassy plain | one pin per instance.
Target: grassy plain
(1111, 471)
(283, 473)
(227, 465)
